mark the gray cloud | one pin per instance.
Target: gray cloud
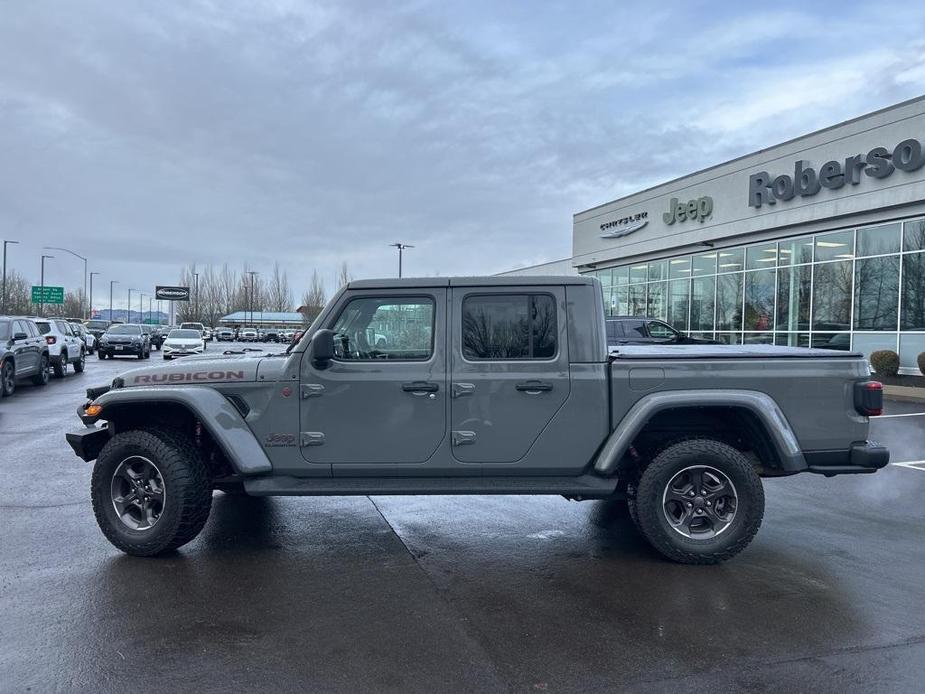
(150, 135)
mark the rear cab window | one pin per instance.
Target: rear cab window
(509, 327)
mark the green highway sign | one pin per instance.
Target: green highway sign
(47, 295)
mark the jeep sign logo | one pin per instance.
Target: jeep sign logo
(805, 182)
(172, 293)
(698, 208)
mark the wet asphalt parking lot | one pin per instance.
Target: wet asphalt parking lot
(433, 594)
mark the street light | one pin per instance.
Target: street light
(196, 299)
(141, 307)
(76, 255)
(90, 297)
(111, 282)
(128, 317)
(3, 300)
(250, 304)
(42, 296)
(400, 247)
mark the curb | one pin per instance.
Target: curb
(904, 393)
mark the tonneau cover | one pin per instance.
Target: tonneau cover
(726, 352)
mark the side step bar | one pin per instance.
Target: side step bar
(583, 486)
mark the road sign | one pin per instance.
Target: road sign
(172, 293)
(47, 295)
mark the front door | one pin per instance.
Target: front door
(510, 370)
(27, 350)
(382, 399)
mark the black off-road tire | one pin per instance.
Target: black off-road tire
(648, 504)
(631, 504)
(7, 378)
(188, 497)
(60, 366)
(41, 378)
(80, 363)
(100, 355)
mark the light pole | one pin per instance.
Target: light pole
(251, 302)
(3, 301)
(141, 308)
(90, 296)
(196, 299)
(42, 287)
(111, 282)
(76, 255)
(400, 247)
(128, 318)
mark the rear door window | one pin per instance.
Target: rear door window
(509, 326)
(5, 330)
(634, 328)
(44, 327)
(661, 330)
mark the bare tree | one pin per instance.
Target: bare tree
(18, 295)
(343, 275)
(314, 299)
(279, 294)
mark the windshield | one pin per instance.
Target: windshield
(98, 324)
(124, 330)
(190, 326)
(183, 335)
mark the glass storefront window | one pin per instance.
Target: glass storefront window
(636, 300)
(704, 264)
(759, 300)
(759, 339)
(837, 246)
(729, 338)
(832, 340)
(606, 278)
(679, 294)
(910, 346)
(658, 270)
(876, 292)
(679, 268)
(791, 339)
(832, 296)
(912, 314)
(914, 235)
(760, 257)
(731, 260)
(702, 294)
(879, 240)
(639, 272)
(795, 251)
(620, 301)
(729, 302)
(656, 303)
(620, 275)
(793, 292)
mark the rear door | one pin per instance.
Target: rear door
(510, 370)
(27, 350)
(382, 399)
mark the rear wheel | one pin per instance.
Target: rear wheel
(101, 356)
(699, 501)
(41, 378)
(7, 378)
(80, 363)
(60, 366)
(150, 491)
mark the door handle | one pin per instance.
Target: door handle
(533, 387)
(420, 387)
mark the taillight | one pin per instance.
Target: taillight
(51, 339)
(868, 398)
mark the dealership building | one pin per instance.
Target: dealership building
(818, 241)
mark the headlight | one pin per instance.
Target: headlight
(104, 339)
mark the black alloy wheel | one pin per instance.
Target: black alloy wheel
(7, 378)
(41, 378)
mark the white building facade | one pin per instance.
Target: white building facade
(819, 241)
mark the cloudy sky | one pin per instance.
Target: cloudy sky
(147, 135)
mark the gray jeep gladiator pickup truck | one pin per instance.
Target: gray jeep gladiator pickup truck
(477, 386)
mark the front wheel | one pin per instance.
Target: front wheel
(699, 501)
(7, 378)
(150, 491)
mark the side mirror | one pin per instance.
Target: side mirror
(20, 336)
(321, 348)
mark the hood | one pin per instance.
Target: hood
(222, 369)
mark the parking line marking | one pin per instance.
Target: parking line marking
(905, 414)
(912, 465)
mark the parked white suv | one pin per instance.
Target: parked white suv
(65, 346)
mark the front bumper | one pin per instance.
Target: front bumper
(169, 352)
(87, 443)
(862, 457)
(111, 350)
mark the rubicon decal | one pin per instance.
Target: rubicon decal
(191, 376)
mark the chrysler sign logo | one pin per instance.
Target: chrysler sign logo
(172, 293)
(624, 226)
